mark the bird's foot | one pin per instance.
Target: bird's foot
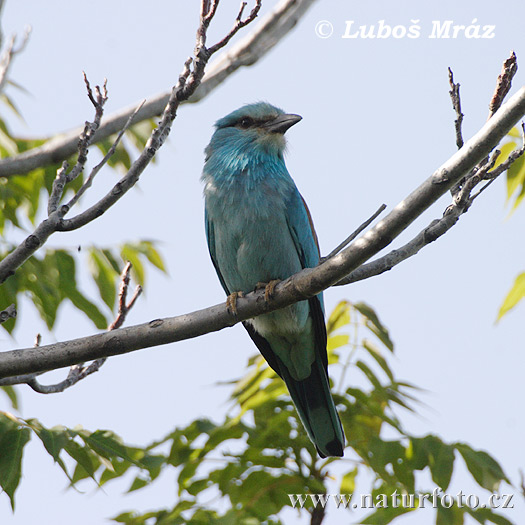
(268, 288)
(231, 302)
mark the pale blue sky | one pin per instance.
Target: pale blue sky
(377, 121)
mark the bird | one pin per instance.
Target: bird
(259, 231)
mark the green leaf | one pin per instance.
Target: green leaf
(65, 265)
(87, 463)
(485, 469)
(104, 276)
(10, 392)
(487, 515)
(376, 354)
(131, 253)
(449, 516)
(90, 309)
(13, 439)
(514, 296)
(374, 324)
(348, 482)
(148, 249)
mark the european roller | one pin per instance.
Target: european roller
(259, 231)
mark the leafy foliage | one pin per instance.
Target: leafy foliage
(259, 459)
(50, 276)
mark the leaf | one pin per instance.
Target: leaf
(514, 296)
(90, 309)
(485, 469)
(348, 482)
(147, 248)
(13, 439)
(339, 317)
(374, 324)
(104, 276)
(449, 516)
(65, 265)
(87, 464)
(337, 341)
(487, 515)
(376, 354)
(130, 253)
(10, 391)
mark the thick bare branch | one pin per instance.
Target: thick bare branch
(270, 31)
(300, 286)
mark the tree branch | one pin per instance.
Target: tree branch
(246, 52)
(300, 286)
(8, 313)
(189, 80)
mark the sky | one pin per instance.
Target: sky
(377, 121)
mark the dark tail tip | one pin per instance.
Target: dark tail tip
(333, 448)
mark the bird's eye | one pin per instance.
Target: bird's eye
(246, 122)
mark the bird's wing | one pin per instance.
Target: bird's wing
(210, 237)
(304, 236)
(302, 230)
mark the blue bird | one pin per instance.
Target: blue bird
(259, 231)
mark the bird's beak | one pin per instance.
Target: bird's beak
(282, 123)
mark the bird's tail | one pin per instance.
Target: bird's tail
(316, 408)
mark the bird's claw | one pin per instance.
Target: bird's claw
(268, 288)
(231, 302)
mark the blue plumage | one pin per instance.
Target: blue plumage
(258, 230)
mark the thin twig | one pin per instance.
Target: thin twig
(239, 24)
(353, 235)
(9, 53)
(86, 137)
(57, 189)
(456, 104)
(89, 181)
(504, 83)
(78, 372)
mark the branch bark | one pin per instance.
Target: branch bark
(300, 286)
(270, 30)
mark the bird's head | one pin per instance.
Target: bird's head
(258, 127)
